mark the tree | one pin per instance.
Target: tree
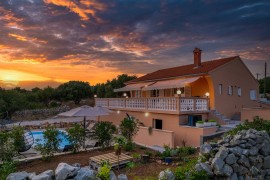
(76, 136)
(103, 132)
(129, 128)
(46, 95)
(75, 91)
(51, 143)
(261, 82)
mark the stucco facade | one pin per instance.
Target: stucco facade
(235, 74)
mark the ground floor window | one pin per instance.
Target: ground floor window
(157, 123)
(192, 119)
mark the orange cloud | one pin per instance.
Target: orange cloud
(83, 8)
(18, 37)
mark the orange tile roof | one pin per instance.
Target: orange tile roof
(185, 70)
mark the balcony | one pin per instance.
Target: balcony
(169, 105)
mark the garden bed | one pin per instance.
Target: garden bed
(140, 171)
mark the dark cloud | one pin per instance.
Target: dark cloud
(135, 35)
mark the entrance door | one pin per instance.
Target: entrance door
(157, 123)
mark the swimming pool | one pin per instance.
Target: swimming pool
(39, 139)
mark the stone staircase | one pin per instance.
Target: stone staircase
(227, 123)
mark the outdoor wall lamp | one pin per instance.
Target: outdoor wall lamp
(146, 114)
(207, 94)
(118, 112)
(178, 92)
(95, 96)
(125, 94)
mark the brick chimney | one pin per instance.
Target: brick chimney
(197, 57)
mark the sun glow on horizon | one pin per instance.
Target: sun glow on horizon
(13, 75)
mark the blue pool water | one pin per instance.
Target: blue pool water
(39, 139)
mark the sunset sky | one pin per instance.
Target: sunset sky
(48, 42)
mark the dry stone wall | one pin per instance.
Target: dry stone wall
(245, 155)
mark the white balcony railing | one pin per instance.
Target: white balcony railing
(172, 104)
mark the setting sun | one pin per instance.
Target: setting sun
(12, 75)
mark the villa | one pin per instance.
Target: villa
(169, 102)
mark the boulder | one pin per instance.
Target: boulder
(234, 177)
(64, 171)
(46, 175)
(205, 149)
(266, 162)
(227, 170)
(244, 161)
(18, 176)
(265, 149)
(122, 177)
(217, 164)
(254, 171)
(85, 173)
(253, 151)
(222, 153)
(207, 168)
(112, 176)
(166, 174)
(231, 159)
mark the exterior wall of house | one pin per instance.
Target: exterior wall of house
(199, 87)
(156, 138)
(233, 74)
(170, 122)
(250, 113)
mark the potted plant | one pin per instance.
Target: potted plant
(207, 123)
(213, 122)
(199, 124)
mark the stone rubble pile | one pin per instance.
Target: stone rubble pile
(62, 172)
(245, 155)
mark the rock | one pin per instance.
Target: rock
(252, 142)
(166, 174)
(46, 175)
(112, 176)
(217, 164)
(254, 171)
(205, 149)
(234, 177)
(122, 177)
(236, 151)
(253, 151)
(64, 171)
(236, 168)
(244, 161)
(231, 159)
(207, 168)
(18, 176)
(266, 163)
(76, 165)
(265, 149)
(227, 170)
(243, 170)
(85, 174)
(198, 167)
(222, 153)
(245, 152)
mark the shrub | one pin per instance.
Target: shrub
(104, 171)
(183, 151)
(199, 122)
(129, 146)
(188, 172)
(6, 168)
(212, 120)
(51, 143)
(103, 132)
(258, 124)
(76, 136)
(11, 143)
(129, 127)
(121, 140)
